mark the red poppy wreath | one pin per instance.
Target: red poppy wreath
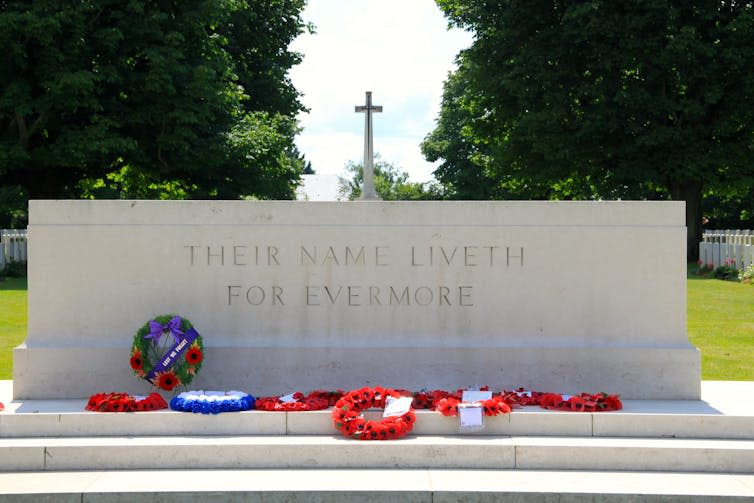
(298, 402)
(167, 351)
(123, 402)
(348, 418)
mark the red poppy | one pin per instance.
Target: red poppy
(194, 355)
(367, 394)
(357, 426)
(94, 401)
(136, 362)
(379, 393)
(421, 401)
(448, 406)
(345, 428)
(160, 402)
(167, 380)
(370, 433)
(550, 400)
(612, 402)
(335, 396)
(575, 403)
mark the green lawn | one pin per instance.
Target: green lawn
(720, 323)
(12, 321)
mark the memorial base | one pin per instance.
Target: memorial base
(634, 373)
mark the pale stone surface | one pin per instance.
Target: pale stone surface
(635, 454)
(535, 421)
(377, 485)
(681, 426)
(44, 498)
(590, 482)
(174, 423)
(316, 452)
(21, 456)
(309, 423)
(440, 294)
(120, 453)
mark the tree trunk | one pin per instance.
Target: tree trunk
(691, 192)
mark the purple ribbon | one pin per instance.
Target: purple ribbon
(181, 345)
(157, 329)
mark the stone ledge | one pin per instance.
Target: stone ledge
(438, 486)
(430, 452)
(22, 421)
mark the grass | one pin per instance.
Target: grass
(720, 324)
(12, 321)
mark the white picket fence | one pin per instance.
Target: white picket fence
(13, 246)
(736, 247)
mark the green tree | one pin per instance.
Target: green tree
(189, 99)
(600, 99)
(729, 209)
(390, 183)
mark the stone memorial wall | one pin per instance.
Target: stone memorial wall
(555, 296)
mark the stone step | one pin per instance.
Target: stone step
(385, 486)
(639, 419)
(298, 452)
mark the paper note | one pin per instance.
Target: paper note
(397, 406)
(470, 418)
(470, 396)
(288, 398)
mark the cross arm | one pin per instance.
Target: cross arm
(365, 109)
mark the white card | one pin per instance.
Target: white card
(525, 393)
(397, 406)
(566, 397)
(288, 398)
(470, 418)
(471, 396)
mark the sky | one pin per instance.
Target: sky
(401, 50)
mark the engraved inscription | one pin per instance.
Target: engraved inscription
(315, 257)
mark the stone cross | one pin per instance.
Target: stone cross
(368, 192)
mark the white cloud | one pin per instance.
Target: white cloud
(400, 50)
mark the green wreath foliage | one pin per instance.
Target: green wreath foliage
(146, 353)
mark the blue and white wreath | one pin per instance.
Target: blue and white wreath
(212, 402)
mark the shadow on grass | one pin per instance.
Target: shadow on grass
(13, 284)
(692, 272)
(695, 277)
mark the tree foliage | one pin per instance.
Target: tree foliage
(390, 183)
(145, 98)
(599, 99)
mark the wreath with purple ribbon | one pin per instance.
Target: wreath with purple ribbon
(167, 351)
